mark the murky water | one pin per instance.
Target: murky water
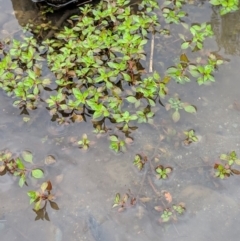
(85, 183)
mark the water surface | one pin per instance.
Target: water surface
(85, 183)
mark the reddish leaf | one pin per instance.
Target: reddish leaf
(49, 187)
(168, 197)
(235, 171)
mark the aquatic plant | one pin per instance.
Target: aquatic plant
(14, 165)
(197, 69)
(190, 137)
(41, 198)
(84, 143)
(224, 169)
(91, 74)
(226, 6)
(128, 200)
(178, 73)
(176, 104)
(231, 158)
(116, 144)
(139, 161)
(204, 73)
(163, 172)
(172, 11)
(96, 69)
(169, 211)
(199, 33)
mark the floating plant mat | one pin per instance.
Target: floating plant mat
(106, 136)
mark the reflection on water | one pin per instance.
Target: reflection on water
(226, 29)
(85, 183)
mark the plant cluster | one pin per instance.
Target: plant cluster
(84, 143)
(176, 104)
(128, 200)
(172, 12)
(199, 33)
(97, 68)
(169, 214)
(169, 211)
(190, 137)
(15, 165)
(140, 161)
(225, 168)
(20, 72)
(95, 63)
(117, 144)
(203, 72)
(96, 60)
(226, 6)
(41, 198)
(163, 172)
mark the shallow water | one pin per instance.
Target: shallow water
(85, 183)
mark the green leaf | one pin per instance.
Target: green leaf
(37, 173)
(237, 161)
(185, 45)
(113, 138)
(131, 99)
(22, 180)
(117, 198)
(20, 165)
(27, 156)
(46, 82)
(37, 205)
(224, 157)
(176, 116)
(190, 109)
(32, 195)
(44, 186)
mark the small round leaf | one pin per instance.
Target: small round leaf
(37, 173)
(176, 116)
(27, 156)
(190, 109)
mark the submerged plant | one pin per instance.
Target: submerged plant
(224, 169)
(15, 166)
(84, 143)
(172, 12)
(172, 213)
(116, 144)
(176, 104)
(41, 198)
(163, 172)
(190, 137)
(199, 33)
(139, 161)
(122, 203)
(226, 6)
(169, 211)
(231, 158)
